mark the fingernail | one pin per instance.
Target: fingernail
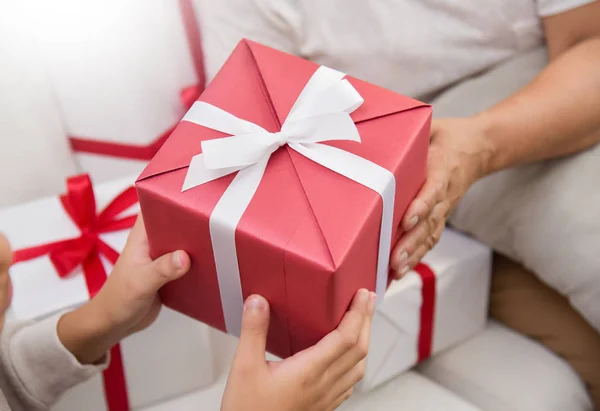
(363, 295)
(412, 222)
(177, 258)
(372, 297)
(254, 304)
(404, 270)
(372, 300)
(403, 257)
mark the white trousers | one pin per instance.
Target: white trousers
(545, 215)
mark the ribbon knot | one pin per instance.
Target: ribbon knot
(280, 138)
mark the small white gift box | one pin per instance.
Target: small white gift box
(170, 358)
(34, 151)
(426, 312)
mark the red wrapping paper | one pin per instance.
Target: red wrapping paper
(309, 238)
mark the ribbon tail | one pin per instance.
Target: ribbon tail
(115, 383)
(199, 174)
(207, 115)
(107, 251)
(30, 253)
(427, 310)
(94, 272)
(223, 223)
(370, 175)
(120, 224)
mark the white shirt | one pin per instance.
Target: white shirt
(414, 47)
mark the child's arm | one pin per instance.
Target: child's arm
(40, 361)
(36, 367)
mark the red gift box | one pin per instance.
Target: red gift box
(309, 237)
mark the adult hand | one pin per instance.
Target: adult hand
(319, 378)
(458, 156)
(128, 301)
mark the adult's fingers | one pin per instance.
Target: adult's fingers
(253, 339)
(407, 246)
(432, 192)
(349, 360)
(343, 339)
(427, 234)
(424, 248)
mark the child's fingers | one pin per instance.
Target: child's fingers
(5, 254)
(167, 268)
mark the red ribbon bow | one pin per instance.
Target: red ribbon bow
(80, 204)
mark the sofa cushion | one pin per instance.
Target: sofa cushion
(501, 370)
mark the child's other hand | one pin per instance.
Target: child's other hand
(319, 378)
(128, 301)
(5, 284)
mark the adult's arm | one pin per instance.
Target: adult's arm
(557, 114)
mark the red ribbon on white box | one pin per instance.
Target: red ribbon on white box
(80, 204)
(427, 314)
(188, 95)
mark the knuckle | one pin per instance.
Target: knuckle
(134, 288)
(362, 350)
(361, 371)
(307, 380)
(163, 271)
(433, 222)
(431, 241)
(349, 393)
(347, 341)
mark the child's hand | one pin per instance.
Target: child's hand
(317, 379)
(128, 301)
(5, 284)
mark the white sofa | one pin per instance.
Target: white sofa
(496, 370)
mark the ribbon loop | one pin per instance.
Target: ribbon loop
(240, 150)
(79, 201)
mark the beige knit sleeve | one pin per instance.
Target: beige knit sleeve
(37, 369)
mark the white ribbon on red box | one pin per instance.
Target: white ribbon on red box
(321, 113)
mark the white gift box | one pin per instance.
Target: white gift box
(462, 268)
(33, 149)
(117, 69)
(170, 358)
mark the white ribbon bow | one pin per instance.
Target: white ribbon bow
(321, 113)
